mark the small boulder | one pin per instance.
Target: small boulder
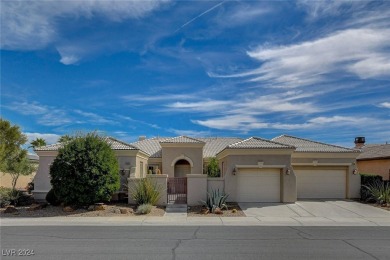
(99, 206)
(68, 209)
(124, 210)
(218, 211)
(117, 211)
(11, 209)
(91, 208)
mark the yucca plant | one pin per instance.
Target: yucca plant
(146, 192)
(380, 192)
(215, 199)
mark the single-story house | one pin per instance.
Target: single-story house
(374, 159)
(284, 169)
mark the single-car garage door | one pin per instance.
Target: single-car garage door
(325, 183)
(258, 185)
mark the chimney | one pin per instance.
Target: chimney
(359, 142)
(141, 137)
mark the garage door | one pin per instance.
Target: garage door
(321, 183)
(258, 185)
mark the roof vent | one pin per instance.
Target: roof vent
(359, 141)
(141, 137)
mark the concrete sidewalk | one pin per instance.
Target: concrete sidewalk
(195, 221)
(301, 213)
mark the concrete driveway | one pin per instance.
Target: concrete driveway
(312, 212)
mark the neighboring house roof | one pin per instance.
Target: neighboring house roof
(114, 143)
(216, 144)
(181, 139)
(375, 151)
(304, 145)
(258, 143)
(151, 146)
(213, 145)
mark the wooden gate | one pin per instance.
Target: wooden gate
(177, 190)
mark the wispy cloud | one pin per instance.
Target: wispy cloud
(385, 104)
(192, 133)
(95, 118)
(32, 25)
(49, 138)
(46, 115)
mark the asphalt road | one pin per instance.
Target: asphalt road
(206, 242)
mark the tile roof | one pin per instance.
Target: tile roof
(151, 146)
(181, 139)
(216, 144)
(375, 151)
(114, 143)
(304, 145)
(213, 145)
(258, 143)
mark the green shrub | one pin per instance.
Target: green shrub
(52, 199)
(368, 180)
(144, 209)
(212, 168)
(215, 199)
(5, 196)
(85, 171)
(379, 191)
(146, 192)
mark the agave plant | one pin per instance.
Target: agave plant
(379, 191)
(215, 199)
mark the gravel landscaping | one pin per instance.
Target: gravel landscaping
(233, 211)
(110, 210)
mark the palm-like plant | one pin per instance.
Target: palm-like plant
(38, 143)
(380, 191)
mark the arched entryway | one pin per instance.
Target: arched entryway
(182, 168)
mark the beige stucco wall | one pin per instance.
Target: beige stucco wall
(161, 182)
(377, 167)
(215, 184)
(6, 180)
(172, 154)
(42, 178)
(196, 188)
(288, 182)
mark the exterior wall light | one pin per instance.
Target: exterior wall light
(355, 171)
(288, 171)
(234, 171)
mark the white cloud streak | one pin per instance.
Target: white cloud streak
(49, 138)
(32, 25)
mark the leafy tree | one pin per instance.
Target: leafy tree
(65, 138)
(38, 143)
(85, 171)
(13, 159)
(11, 140)
(212, 168)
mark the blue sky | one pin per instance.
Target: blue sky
(313, 69)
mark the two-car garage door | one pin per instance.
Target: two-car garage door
(258, 185)
(321, 183)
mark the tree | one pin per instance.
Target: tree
(85, 171)
(38, 143)
(13, 159)
(11, 140)
(65, 139)
(212, 168)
